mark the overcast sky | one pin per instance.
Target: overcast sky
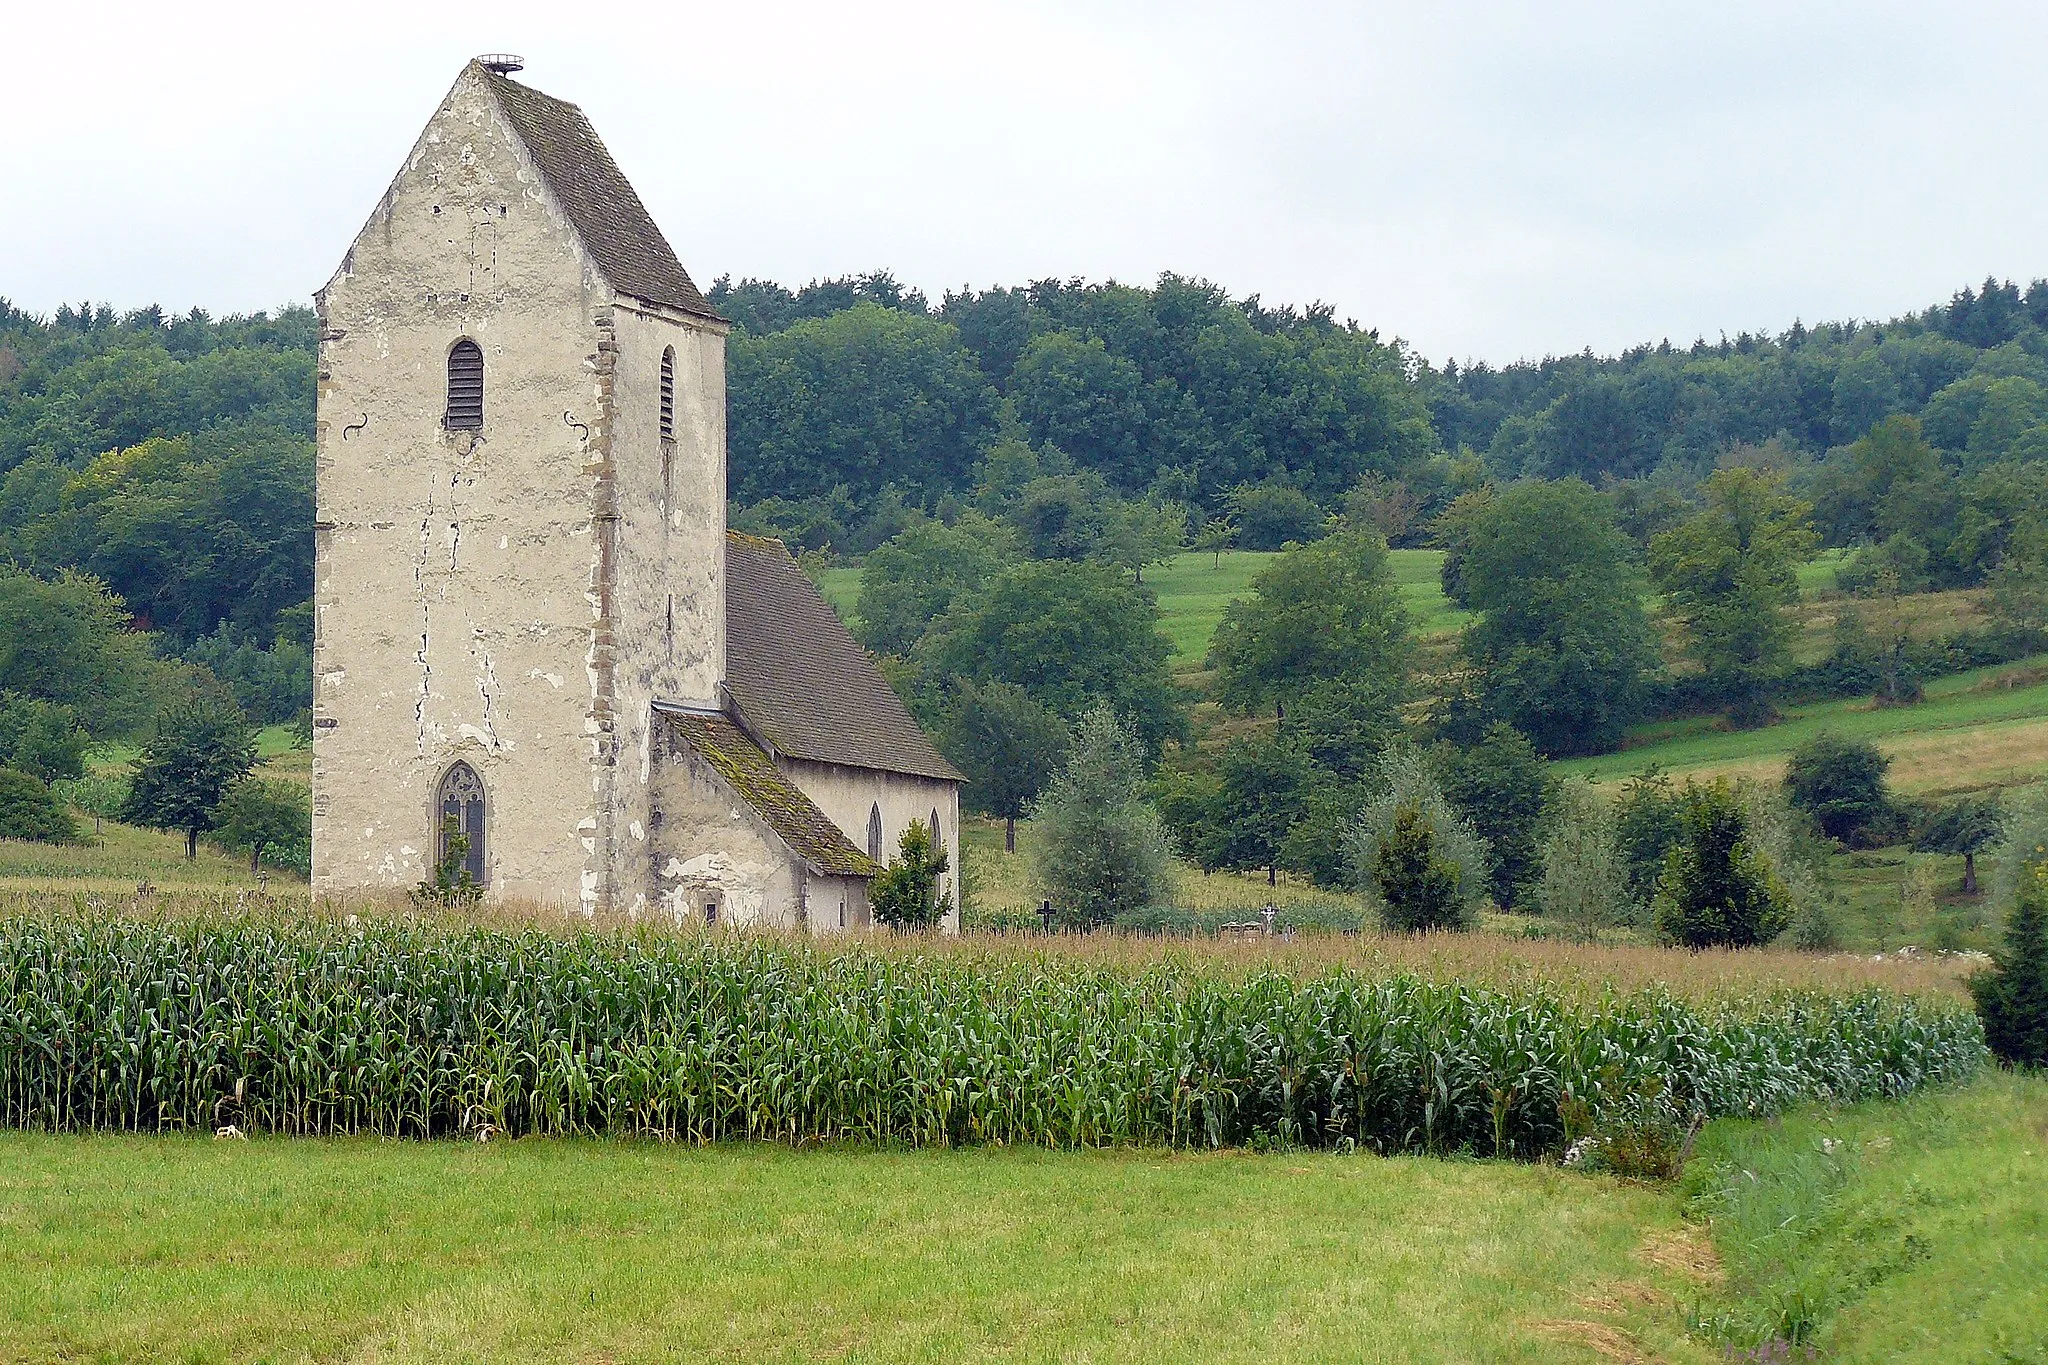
(1490, 180)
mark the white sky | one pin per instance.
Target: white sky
(1492, 180)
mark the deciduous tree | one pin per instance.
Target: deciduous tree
(1008, 745)
(1319, 613)
(1728, 572)
(201, 747)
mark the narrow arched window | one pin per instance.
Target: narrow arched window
(465, 387)
(668, 393)
(937, 842)
(875, 832)
(460, 815)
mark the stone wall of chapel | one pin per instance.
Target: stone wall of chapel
(668, 598)
(707, 846)
(848, 795)
(456, 575)
(836, 905)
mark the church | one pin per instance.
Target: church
(533, 628)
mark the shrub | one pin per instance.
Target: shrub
(1102, 849)
(1499, 786)
(906, 894)
(1585, 880)
(95, 794)
(40, 738)
(1814, 930)
(1269, 516)
(2024, 847)
(451, 882)
(2012, 994)
(1643, 1135)
(1420, 864)
(29, 811)
(1417, 886)
(1646, 825)
(1718, 888)
(1840, 783)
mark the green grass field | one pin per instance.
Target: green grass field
(184, 1249)
(1922, 1236)
(1193, 589)
(1986, 728)
(1905, 1231)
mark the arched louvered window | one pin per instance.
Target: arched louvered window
(465, 387)
(459, 813)
(875, 832)
(668, 393)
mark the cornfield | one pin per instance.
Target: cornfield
(403, 1029)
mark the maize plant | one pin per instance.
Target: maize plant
(400, 1029)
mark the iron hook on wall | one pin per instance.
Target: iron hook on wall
(355, 426)
(569, 419)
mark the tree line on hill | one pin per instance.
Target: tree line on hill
(1008, 464)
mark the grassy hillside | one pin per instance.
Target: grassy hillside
(1986, 728)
(114, 856)
(1193, 589)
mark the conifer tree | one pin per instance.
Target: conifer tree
(2012, 995)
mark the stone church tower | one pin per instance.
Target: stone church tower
(521, 578)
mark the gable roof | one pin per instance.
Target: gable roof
(756, 780)
(799, 679)
(601, 204)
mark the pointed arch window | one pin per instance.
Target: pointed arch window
(938, 841)
(875, 832)
(459, 813)
(668, 393)
(465, 387)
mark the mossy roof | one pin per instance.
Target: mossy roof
(753, 777)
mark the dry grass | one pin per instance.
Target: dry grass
(1003, 881)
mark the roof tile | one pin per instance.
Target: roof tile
(612, 223)
(801, 681)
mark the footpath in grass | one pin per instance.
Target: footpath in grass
(1907, 1231)
(189, 1249)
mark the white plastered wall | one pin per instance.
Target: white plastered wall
(668, 598)
(456, 573)
(708, 846)
(847, 796)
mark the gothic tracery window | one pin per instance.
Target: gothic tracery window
(465, 387)
(461, 799)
